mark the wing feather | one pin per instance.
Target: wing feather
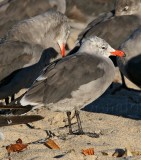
(66, 76)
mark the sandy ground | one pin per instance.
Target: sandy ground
(117, 125)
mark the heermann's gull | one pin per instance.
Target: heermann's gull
(23, 44)
(117, 27)
(74, 81)
(23, 78)
(130, 65)
(26, 9)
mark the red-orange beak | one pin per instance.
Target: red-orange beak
(62, 50)
(118, 53)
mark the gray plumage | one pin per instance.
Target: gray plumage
(130, 65)
(74, 81)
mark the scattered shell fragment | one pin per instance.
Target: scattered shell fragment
(89, 151)
(18, 147)
(51, 144)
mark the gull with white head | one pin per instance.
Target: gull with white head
(74, 81)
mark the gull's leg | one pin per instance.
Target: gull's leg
(13, 97)
(123, 85)
(7, 100)
(69, 122)
(80, 130)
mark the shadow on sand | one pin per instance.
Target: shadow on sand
(123, 103)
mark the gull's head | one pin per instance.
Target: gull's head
(96, 45)
(62, 39)
(62, 35)
(57, 31)
(128, 7)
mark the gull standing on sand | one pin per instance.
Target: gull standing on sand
(22, 46)
(74, 81)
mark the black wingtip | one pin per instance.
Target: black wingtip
(15, 110)
(14, 120)
(15, 107)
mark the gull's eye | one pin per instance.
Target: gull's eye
(103, 47)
